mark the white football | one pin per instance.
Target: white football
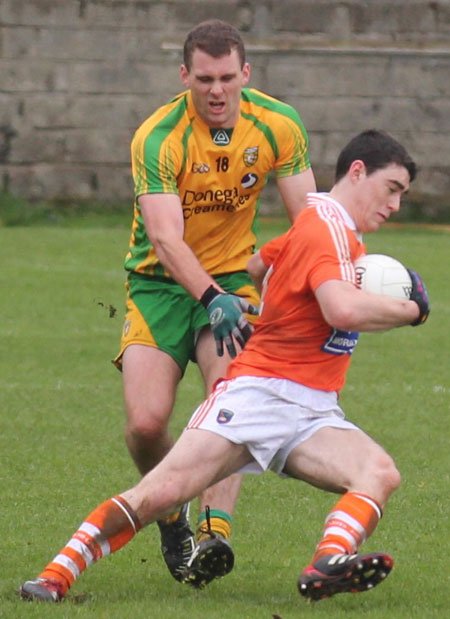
(383, 275)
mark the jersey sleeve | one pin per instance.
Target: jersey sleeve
(320, 250)
(332, 253)
(155, 164)
(293, 145)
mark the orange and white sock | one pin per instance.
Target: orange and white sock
(109, 527)
(351, 521)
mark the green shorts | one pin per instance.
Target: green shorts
(160, 313)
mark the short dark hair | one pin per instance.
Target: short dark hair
(214, 37)
(377, 149)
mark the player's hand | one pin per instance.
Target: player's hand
(226, 316)
(419, 294)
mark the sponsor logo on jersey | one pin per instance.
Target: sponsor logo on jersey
(251, 155)
(221, 137)
(199, 168)
(209, 201)
(249, 180)
(224, 416)
(341, 342)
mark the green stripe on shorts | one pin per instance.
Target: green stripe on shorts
(174, 316)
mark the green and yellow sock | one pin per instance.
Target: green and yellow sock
(219, 521)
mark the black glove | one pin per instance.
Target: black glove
(227, 319)
(419, 294)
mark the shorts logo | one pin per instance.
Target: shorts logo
(126, 327)
(251, 155)
(249, 180)
(224, 416)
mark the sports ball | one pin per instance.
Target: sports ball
(383, 275)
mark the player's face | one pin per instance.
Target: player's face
(216, 84)
(380, 195)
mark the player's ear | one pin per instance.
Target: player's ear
(246, 72)
(357, 170)
(184, 75)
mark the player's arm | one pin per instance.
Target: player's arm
(257, 269)
(163, 218)
(293, 190)
(260, 262)
(348, 308)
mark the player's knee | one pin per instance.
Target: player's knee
(146, 425)
(387, 474)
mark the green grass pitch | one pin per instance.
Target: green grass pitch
(62, 449)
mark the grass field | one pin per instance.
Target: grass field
(62, 449)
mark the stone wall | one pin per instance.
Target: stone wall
(78, 76)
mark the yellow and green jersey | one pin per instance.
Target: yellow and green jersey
(218, 174)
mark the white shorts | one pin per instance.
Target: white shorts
(271, 416)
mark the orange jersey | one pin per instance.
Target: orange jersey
(269, 251)
(291, 339)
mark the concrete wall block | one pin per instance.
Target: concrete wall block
(115, 183)
(87, 111)
(328, 74)
(148, 15)
(331, 144)
(12, 108)
(188, 14)
(48, 181)
(419, 145)
(40, 12)
(418, 76)
(364, 74)
(98, 146)
(309, 17)
(321, 114)
(405, 17)
(78, 44)
(50, 110)
(388, 19)
(443, 17)
(123, 77)
(434, 182)
(35, 75)
(408, 114)
(38, 147)
(76, 146)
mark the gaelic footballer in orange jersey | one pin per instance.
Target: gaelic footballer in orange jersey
(217, 173)
(291, 338)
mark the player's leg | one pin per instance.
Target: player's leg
(157, 341)
(198, 459)
(150, 379)
(218, 501)
(222, 497)
(351, 463)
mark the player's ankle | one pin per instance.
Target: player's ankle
(215, 521)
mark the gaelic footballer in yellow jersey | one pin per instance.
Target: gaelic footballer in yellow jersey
(218, 174)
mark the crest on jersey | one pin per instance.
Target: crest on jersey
(224, 416)
(221, 137)
(251, 155)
